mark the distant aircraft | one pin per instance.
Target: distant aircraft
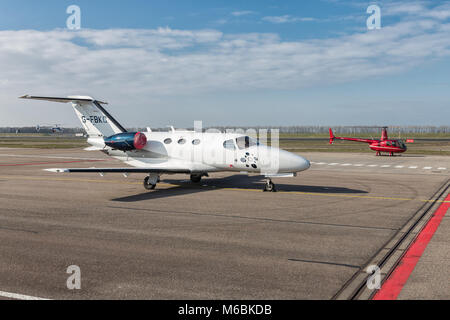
(384, 144)
(187, 152)
(57, 129)
(54, 129)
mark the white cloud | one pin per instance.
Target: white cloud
(119, 64)
(416, 9)
(242, 13)
(164, 60)
(287, 19)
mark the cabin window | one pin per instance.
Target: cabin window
(181, 141)
(246, 142)
(168, 141)
(229, 144)
(196, 142)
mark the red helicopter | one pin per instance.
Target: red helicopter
(379, 145)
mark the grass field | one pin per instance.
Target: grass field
(424, 143)
(42, 141)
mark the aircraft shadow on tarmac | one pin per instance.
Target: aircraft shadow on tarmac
(183, 187)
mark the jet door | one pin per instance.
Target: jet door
(229, 157)
(247, 153)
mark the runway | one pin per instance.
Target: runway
(221, 239)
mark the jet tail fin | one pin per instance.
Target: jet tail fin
(95, 119)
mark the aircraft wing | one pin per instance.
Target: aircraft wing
(120, 170)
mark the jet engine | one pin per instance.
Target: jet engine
(126, 141)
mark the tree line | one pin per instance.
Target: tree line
(282, 129)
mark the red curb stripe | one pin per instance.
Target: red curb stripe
(40, 163)
(394, 284)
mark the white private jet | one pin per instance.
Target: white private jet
(188, 152)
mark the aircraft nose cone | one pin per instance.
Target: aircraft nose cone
(290, 162)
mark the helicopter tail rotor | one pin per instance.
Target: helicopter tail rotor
(331, 136)
(384, 134)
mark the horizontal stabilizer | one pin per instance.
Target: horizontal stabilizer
(63, 99)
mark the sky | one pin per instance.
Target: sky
(228, 63)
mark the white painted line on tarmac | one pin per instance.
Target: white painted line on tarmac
(19, 296)
(376, 165)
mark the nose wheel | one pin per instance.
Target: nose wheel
(269, 186)
(150, 181)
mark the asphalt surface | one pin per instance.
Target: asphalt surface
(221, 239)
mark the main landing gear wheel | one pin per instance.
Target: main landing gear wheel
(269, 186)
(196, 178)
(148, 183)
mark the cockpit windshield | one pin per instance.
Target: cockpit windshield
(245, 142)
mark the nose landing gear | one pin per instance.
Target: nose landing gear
(269, 186)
